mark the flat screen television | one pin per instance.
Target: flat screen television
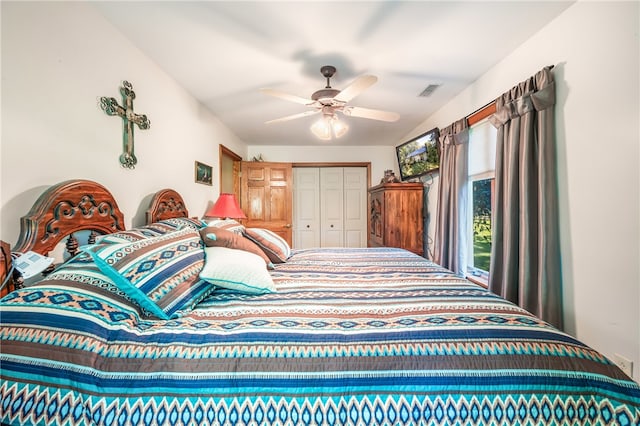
(419, 156)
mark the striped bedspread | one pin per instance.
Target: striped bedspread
(351, 337)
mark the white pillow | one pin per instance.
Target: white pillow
(236, 270)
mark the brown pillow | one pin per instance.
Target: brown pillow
(217, 237)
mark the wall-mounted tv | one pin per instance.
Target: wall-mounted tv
(419, 156)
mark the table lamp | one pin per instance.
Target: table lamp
(226, 207)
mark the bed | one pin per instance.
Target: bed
(374, 336)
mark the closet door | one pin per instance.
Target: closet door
(355, 207)
(306, 202)
(331, 207)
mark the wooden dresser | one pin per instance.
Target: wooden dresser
(395, 216)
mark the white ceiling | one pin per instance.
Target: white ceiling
(224, 52)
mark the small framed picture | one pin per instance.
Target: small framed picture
(203, 174)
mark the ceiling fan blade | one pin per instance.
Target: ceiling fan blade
(292, 117)
(354, 89)
(288, 97)
(374, 114)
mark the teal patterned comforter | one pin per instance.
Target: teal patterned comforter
(352, 336)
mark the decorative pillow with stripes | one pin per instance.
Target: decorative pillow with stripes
(151, 230)
(227, 224)
(273, 245)
(181, 222)
(161, 273)
(129, 236)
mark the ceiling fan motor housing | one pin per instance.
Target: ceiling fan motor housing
(325, 96)
(328, 71)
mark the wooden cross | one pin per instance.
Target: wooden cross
(110, 106)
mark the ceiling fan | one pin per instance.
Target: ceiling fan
(328, 101)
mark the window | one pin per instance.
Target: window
(482, 153)
(481, 191)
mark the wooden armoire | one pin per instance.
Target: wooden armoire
(395, 216)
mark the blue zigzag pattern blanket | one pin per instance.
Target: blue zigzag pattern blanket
(352, 336)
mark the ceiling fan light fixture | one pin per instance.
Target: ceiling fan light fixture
(328, 127)
(339, 127)
(321, 129)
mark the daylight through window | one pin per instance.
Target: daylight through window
(482, 151)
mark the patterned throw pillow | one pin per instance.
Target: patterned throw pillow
(217, 237)
(227, 224)
(86, 280)
(151, 230)
(159, 273)
(236, 270)
(181, 222)
(126, 236)
(273, 245)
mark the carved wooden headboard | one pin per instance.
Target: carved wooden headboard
(66, 208)
(166, 204)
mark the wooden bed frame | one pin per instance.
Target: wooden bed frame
(166, 204)
(66, 208)
(78, 205)
(82, 205)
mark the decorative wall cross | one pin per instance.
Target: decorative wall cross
(129, 118)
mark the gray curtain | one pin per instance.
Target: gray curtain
(525, 255)
(451, 229)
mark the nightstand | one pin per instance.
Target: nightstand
(6, 269)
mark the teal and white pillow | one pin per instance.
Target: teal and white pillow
(237, 270)
(161, 273)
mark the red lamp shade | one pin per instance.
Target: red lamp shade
(226, 207)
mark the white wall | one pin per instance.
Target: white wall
(595, 49)
(57, 60)
(381, 157)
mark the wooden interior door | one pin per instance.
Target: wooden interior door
(229, 171)
(266, 196)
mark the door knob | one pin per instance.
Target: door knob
(288, 225)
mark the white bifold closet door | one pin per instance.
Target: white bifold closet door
(306, 207)
(330, 207)
(355, 206)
